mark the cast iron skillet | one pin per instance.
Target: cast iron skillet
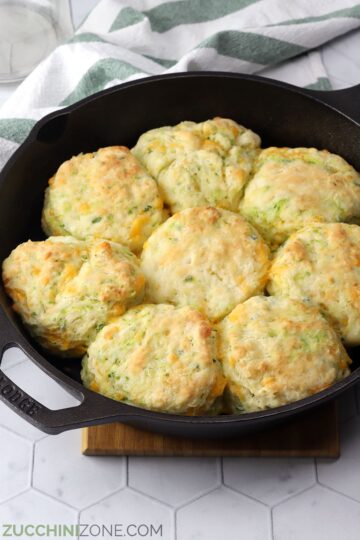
(282, 114)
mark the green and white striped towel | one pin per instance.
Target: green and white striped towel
(129, 39)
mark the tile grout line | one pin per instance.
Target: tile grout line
(9, 499)
(59, 501)
(271, 528)
(32, 466)
(293, 495)
(333, 490)
(316, 471)
(23, 437)
(151, 497)
(78, 523)
(202, 493)
(194, 499)
(242, 494)
(102, 499)
(97, 501)
(16, 364)
(175, 524)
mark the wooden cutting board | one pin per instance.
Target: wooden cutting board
(314, 434)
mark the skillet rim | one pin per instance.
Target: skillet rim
(13, 336)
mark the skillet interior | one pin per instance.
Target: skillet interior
(282, 116)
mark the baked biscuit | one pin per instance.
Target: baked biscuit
(65, 289)
(296, 186)
(105, 194)
(199, 164)
(205, 257)
(320, 264)
(157, 357)
(275, 351)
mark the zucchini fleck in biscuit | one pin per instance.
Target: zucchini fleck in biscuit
(293, 187)
(208, 258)
(204, 164)
(157, 357)
(105, 194)
(66, 290)
(321, 264)
(276, 350)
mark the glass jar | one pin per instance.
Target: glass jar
(29, 31)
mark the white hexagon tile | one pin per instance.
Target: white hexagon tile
(16, 461)
(343, 474)
(63, 473)
(174, 480)
(34, 508)
(223, 514)
(269, 480)
(317, 514)
(137, 515)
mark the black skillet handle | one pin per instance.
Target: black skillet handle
(346, 100)
(93, 409)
